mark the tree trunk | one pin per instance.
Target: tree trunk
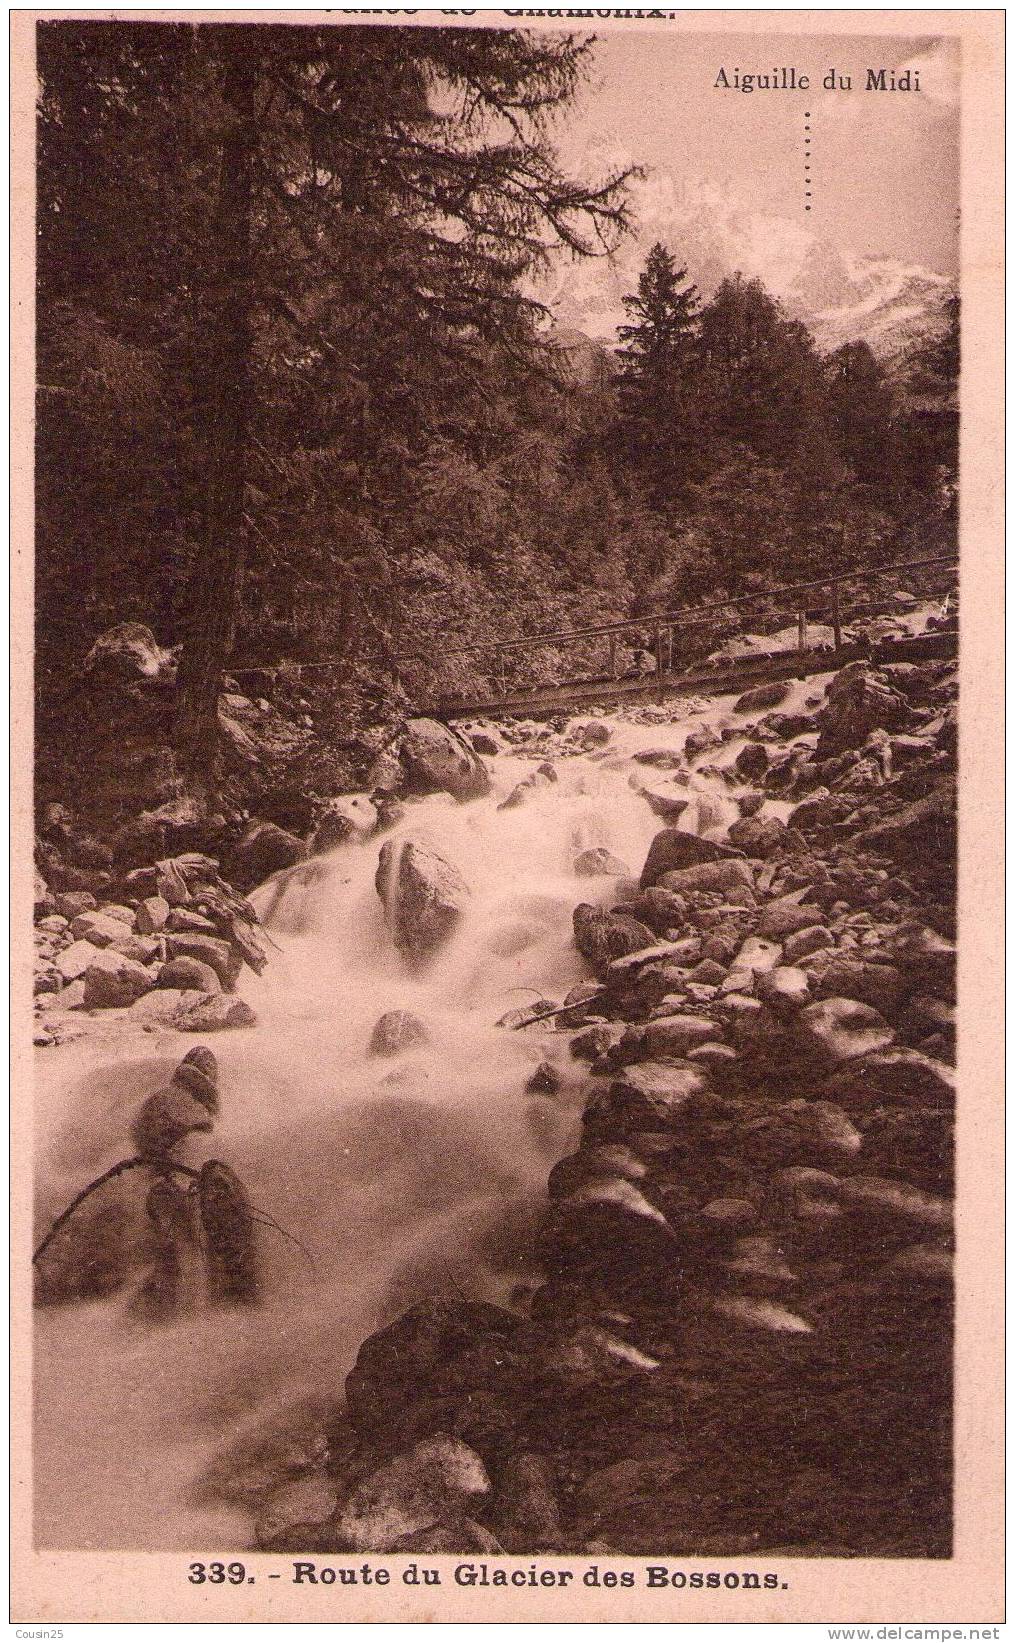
(215, 577)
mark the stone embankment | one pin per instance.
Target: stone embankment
(741, 1339)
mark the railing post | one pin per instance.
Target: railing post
(836, 617)
(659, 662)
(613, 656)
(801, 630)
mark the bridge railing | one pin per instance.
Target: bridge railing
(670, 641)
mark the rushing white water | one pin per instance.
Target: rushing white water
(403, 1177)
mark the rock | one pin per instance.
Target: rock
(730, 1215)
(600, 863)
(762, 696)
(784, 988)
(595, 733)
(837, 1029)
(310, 1499)
(544, 1081)
(609, 1227)
(525, 1508)
(785, 915)
(179, 824)
(702, 740)
(601, 937)
(756, 1266)
(907, 1077)
(96, 928)
(758, 955)
(661, 910)
(880, 1201)
(673, 849)
(484, 743)
(74, 960)
(437, 1479)
(42, 901)
(823, 1130)
(53, 924)
(423, 896)
(608, 1160)
(805, 1190)
(596, 1040)
(114, 982)
(130, 653)
(669, 807)
(672, 1036)
(212, 1013)
(264, 849)
(166, 1118)
(660, 758)
(857, 702)
(444, 1539)
(733, 879)
(927, 828)
(822, 809)
(753, 1028)
(151, 915)
(672, 954)
(920, 1267)
(142, 949)
(182, 919)
(589, 1357)
(717, 1060)
(437, 760)
(352, 816)
(759, 1314)
(411, 1376)
(879, 985)
(751, 762)
(73, 902)
(804, 942)
(756, 837)
(189, 974)
(649, 1096)
(210, 950)
(396, 1031)
(788, 725)
(163, 1007)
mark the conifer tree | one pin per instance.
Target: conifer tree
(657, 359)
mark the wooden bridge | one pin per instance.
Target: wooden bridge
(673, 653)
(671, 643)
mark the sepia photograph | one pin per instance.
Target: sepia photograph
(494, 809)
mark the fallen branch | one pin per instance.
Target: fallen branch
(93, 1186)
(561, 1009)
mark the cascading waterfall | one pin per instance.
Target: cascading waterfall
(402, 1177)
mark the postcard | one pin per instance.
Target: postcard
(507, 807)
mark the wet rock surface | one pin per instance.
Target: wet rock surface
(739, 1331)
(744, 1333)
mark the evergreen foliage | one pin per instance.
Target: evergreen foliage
(298, 401)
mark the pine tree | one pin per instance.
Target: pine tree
(657, 356)
(352, 214)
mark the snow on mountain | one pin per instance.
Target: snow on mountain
(841, 297)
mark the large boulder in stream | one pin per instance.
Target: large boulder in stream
(436, 759)
(673, 849)
(424, 897)
(601, 936)
(858, 701)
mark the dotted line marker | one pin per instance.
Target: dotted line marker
(807, 160)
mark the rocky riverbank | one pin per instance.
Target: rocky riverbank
(742, 1338)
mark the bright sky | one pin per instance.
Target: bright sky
(884, 164)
